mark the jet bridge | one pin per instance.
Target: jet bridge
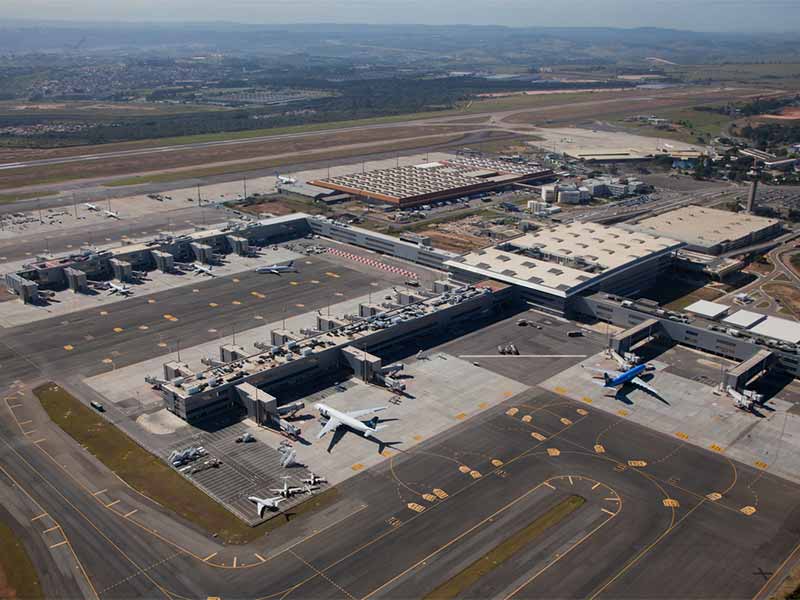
(624, 341)
(743, 373)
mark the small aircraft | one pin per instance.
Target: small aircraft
(339, 422)
(314, 479)
(286, 491)
(278, 269)
(112, 214)
(264, 504)
(202, 270)
(122, 290)
(285, 180)
(614, 379)
(90, 206)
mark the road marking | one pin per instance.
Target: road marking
(162, 344)
(330, 274)
(587, 399)
(429, 497)
(559, 390)
(69, 347)
(512, 411)
(151, 301)
(553, 451)
(300, 305)
(21, 423)
(595, 485)
(496, 462)
(103, 313)
(748, 510)
(599, 449)
(107, 361)
(681, 435)
(527, 419)
(670, 503)
(441, 494)
(97, 493)
(58, 544)
(461, 416)
(209, 557)
(714, 496)
(761, 464)
(483, 405)
(715, 448)
(114, 503)
(550, 485)
(259, 557)
(415, 507)
(235, 560)
(213, 304)
(637, 463)
(14, 405)
(118, 330)
(235, 280)
(566, 422)
(294, 283)
(37, 517)
(538, 436)
(130, 514)
(570, 480)
(314, 281)
(53, 528)
(357, 467)
(143, 327)
(40, 440)
(622, 412)
(29, 432)
(582, 412)
(464, 469)
(475, 474)
(608, 512)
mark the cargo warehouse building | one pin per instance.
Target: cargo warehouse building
(436, 181)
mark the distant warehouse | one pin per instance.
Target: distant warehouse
(709, 230)
(436, 181)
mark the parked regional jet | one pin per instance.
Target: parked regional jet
(314, 479)
(286, 491)
(202, 270)
(112, 215)
(614, 379)
(264, 504)
(122, 290)
(285, 180)
(90, 206)
(278, 269)
(339, 422)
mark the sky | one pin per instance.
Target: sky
(697, 15)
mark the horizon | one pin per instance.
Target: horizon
(716, 16)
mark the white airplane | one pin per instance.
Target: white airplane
(339, 422)
(314, 479)
(264, 504)
(286, 491)
(122, 290)
(285, 180)
(92, 207)
(111, 214)
(202, 270)
(278, 269)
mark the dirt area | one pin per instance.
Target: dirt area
(467, 234)
(759, 268)
(459, 243)
(786, 295)
(791, 113)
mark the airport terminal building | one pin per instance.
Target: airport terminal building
(552, 266)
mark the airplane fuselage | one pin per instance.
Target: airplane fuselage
(327, 412)
(626, 377)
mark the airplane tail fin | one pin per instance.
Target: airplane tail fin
(606, 378)
(373, 423)
(291, 264)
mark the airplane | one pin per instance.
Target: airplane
(264, 504)
(285, 180)
(92, 207)
(314, 479)
(613, 379)
(286, 491)
(278, 269)
(112, 215)
(202, 270)
(123, 289)
(338, 422)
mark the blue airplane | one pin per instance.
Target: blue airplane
(614, 379)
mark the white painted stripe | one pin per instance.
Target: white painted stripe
(522, 356)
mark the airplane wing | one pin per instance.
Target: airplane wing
(611, 374)
(645, 386)
(331, 425)
(357, 414)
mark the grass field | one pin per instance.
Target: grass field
(18, 576)
(783, 74)
(457, 585)
(8, 198)
(151, 476)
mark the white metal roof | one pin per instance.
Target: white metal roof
(780, 329)
(710, 310)
(744, 318)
